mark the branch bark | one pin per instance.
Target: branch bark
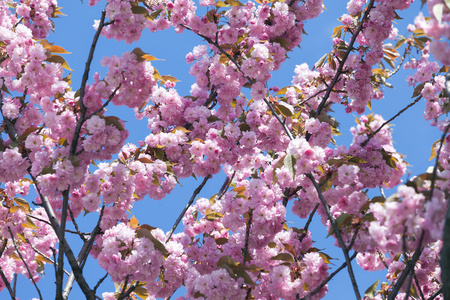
(337, 233)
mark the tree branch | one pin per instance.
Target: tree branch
(247, 236)
(409, 267)
(5, 281)
(82, 256)
(129, 291)
(197, 190)
(344, 59)
(337, 233)
(390, 120)
(310, 218)
(317, 289)
(24, 262)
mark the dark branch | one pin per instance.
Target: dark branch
(25, 263)
(197, 190)
(337, 233)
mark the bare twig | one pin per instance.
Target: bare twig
(408, 285)
(310, 218)
(445, 251)
(42, 254)
(129, 291)
(437, 293)
(100, 282)
(8, 286)
(197, 190)
(402, 59)
(247, 236)
(5, 281)
(67, 250)
(317, 289)
(75, 224)
(338, 235)
(106, 102)
(82, 256)
(409, 268)
(390, 120)
(225, 186)
(73, 146)
(416, 281)
(344, 59)
(24, 262)
(288, 133)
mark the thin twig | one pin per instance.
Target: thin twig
(409, 267)
(317, 289)
(338, 235)
(437, 293)
(286, 197)
(436, 163)
(42, 254)
(106, 102)
(75, 224)
(8, 286)
(247, 236)
(82, 256)
(124, 286)
(402, 59)
(355, 235)
(310, 218)
(225, 186)
(24, 262)
(197, 190)
(445, 251)
(418, 287)
(288, 133)
(100, 282)
(344, 59)
(129, 291)
(73, 148)
(45, 203)
(408, 285)
(390, 120)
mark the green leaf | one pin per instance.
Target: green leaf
(370, 292)
(139, 10)
(23, 203)
(285, 109)
(221, 4)
(341, 221)
(111, 120)
(283, 256)
(389, 159)
(141, 292)
(234, 2)
(60, 60)
(278, 165)
(321, 61)
(155, 14)
(289, 163)
(433, 151)
(337, 31)
(144, 232)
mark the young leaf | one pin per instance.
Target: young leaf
(370, 292)
(60, 60)
(289, 163)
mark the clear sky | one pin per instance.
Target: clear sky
(412, 134)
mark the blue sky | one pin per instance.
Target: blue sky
(412, 134)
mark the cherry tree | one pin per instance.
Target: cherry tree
(65, 157)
